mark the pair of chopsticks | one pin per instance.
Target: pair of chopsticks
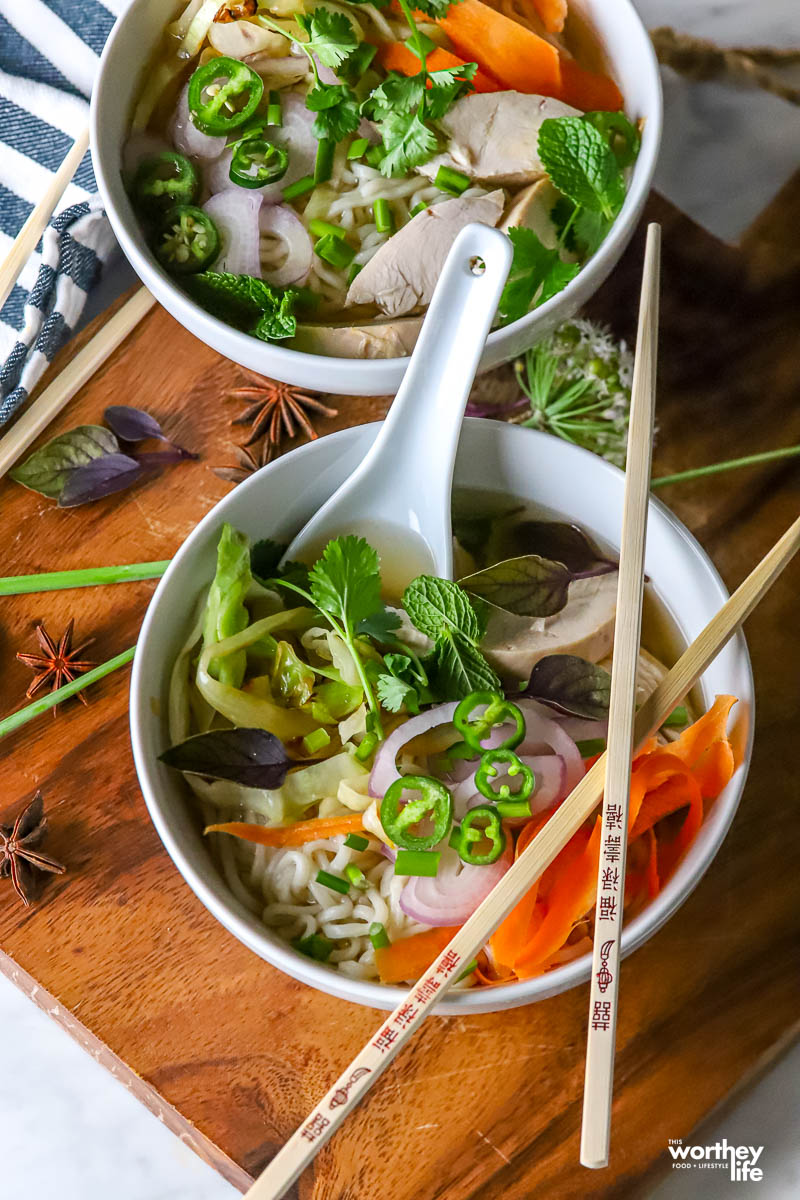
(610, 774)
(57, 394)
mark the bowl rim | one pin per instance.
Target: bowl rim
(372, 372)
(248, 930)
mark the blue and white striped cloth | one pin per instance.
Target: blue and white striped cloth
(49, 53)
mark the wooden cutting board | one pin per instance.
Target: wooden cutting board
(230, 1053)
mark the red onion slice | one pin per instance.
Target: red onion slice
(187, 138)
(550, 771)
(283, 223)
(384, 770)
(236, 216)
(543, 733)
(456, 891)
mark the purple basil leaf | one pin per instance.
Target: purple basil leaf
(572, 685)
(529, 586)
(132, 424)
(251, 757)
(556, 540)
(161, 458)
(99, 478)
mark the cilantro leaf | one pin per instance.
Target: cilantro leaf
(337, 110)
(537, 273)
(433, 8)
(393, 693)
(379, 625)
(345, 581)
(590, 230)
(581, 164)
(330, 35)
(397, 93)
(447, 86)
(408, 142)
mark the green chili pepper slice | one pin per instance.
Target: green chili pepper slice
(497, 711)
(257, 162)
(434, 802)
(164, 180)
(473, 832)
(223, 94)
(487, 771)
(188, 240)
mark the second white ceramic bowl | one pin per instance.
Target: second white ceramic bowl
(126, 58)
(493, 457)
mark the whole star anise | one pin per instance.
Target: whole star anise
(19, 857)
(58, 664)
(276, 408)
(247, 461)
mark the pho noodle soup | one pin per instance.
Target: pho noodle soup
(366, 767)
(302, 168)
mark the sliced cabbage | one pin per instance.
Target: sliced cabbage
(198, 29)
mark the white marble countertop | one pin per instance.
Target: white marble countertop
(70, 1130)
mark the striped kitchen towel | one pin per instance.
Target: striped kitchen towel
(49, 53)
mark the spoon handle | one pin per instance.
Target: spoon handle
(424, 422)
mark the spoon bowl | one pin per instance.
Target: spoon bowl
(399, 496)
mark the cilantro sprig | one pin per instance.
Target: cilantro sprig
(403, 106)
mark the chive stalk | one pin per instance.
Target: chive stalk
(334, 250)
(354, 841)
(358, 148)
(591, 746)
(384, 221)
(378, 936)
(56, 581)
(320, 229)
(355, 876)
(749, 460)
(315, 740)
(23, 715)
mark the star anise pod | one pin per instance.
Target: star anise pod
(248, 461)
(19, 857)
(58, 664)
(276, 409)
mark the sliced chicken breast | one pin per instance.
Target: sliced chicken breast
(402, 275)
(493, 136)
(381, 339)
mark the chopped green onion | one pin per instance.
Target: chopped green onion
(418, 208)
(356, 876)
(321, 228)
(358, 148)
(468, 969)
(334, 251)
(417, 862)
(354, 841)
(375, 154)
(448, 180)
(514, 808)
(384, 221)
(315, 740)
(315, 946)
(323, 164)
(299, 187)
(354, 270)
(677, 718)
(378, 936)
(274, 112)
(591, 746)
(334, 882)
(366, 746)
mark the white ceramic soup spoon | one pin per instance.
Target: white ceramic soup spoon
(399, 495)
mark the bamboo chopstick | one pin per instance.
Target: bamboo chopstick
(58, 393)
(25, 241)
(396, 1030)
(601, 1042)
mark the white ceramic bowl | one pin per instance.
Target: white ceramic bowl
(492, 457)
(125, 58)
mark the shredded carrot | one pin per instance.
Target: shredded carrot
(509, 52)
(703, 747)
(394, 56)
(290, 835)
(408, 957)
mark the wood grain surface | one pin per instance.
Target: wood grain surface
(230, 1053)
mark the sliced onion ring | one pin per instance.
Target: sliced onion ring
(545, 733)
(455, 892)
(283, 223)
(384, 770)
(235, 214)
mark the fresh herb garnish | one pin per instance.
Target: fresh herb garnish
(247, 303)
(444, 612)
(537, 273)
(572, 685)
(529, 585)
(337, 108)
(251, 757)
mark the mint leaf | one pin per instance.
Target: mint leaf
(279, 321)
(590, 230)
(458, 669)
(441, 609)
(581, 164)
(346, 582)
(337, 110)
